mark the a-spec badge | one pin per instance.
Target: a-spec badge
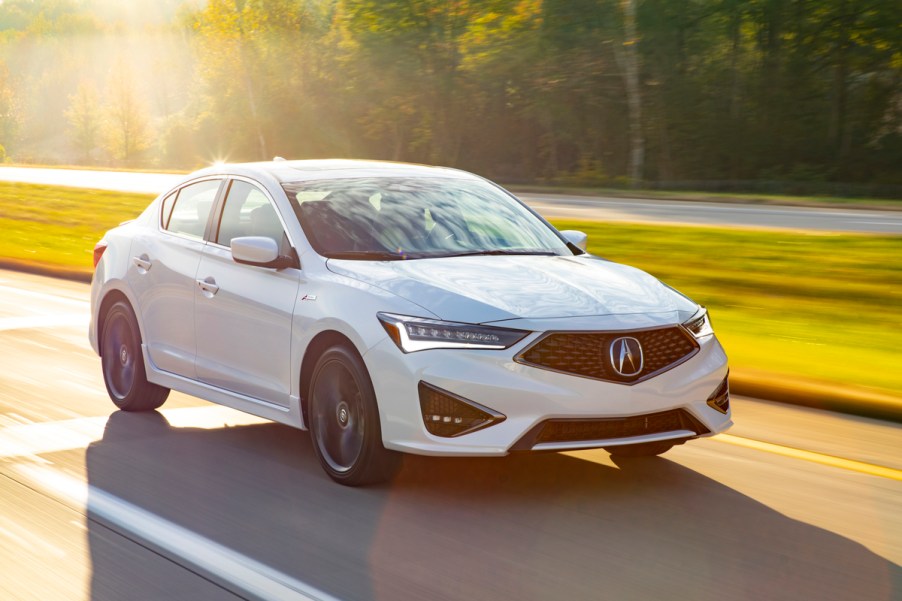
(626, 356)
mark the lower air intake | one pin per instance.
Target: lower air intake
(447, 415)
(592, 430)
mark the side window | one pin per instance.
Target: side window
(248, 212)
(190, 209)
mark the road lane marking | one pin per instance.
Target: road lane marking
(28, 440)
(222, 563)
(846, 464)
(45, 296)
(27, 322)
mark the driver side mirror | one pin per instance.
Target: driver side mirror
(260, 251)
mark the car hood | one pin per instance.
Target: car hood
(481, 289)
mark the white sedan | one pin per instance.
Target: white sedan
(390, 307)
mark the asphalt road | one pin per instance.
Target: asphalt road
(551, 205)
(200, 502)
(716, 214)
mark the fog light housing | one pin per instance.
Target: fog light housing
(720, 398)
(447, 415)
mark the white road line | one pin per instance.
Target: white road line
(45, 296)
(223, 564)
(43, 321)
(148, 183)
(30, 440)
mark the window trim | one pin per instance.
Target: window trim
(178, 191)
(219, 210)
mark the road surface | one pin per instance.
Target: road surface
(552, 206)
(200, 502)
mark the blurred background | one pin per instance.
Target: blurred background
(777, 96)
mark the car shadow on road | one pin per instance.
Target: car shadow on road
(537, 526)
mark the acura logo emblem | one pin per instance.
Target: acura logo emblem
(626, 356)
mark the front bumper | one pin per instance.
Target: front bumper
(528, 396)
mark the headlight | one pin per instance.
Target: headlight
(418, 334)
(699, 325)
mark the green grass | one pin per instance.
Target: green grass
(59, 226)
(822, 307)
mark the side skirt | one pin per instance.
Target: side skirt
(290, 416)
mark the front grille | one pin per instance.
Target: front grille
(583, 430)
(586, 353)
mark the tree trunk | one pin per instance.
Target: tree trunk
(629, 59)
(839, 135)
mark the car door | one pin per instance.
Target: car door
(243, 312)
(162, 271)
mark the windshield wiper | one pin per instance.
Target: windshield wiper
(473, 253)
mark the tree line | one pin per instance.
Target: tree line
(587, 92)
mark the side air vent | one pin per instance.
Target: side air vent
(447, 415)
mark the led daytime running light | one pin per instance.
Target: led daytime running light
(421, 332)
(413, 334)
(699, 325)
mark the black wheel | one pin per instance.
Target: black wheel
(645, 449)
(344, 421)
(123, 364)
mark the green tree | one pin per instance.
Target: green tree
(9, 111)
(127, 124)
(85, 118)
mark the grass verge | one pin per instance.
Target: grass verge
(821, 309)
(57, 227)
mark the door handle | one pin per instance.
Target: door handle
(208, 286)
(143, 263)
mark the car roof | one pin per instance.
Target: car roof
(296, 171)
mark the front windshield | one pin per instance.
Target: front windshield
(391, 218)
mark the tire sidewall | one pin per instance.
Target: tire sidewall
(142, 395)
(365, 468)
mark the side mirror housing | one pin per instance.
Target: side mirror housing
(576, 238)
(260, 251)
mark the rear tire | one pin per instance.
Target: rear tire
(123, 363)
(645, 449)
(344, 421)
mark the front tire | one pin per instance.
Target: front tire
(344, 421)
(123, 363)
(646, 449)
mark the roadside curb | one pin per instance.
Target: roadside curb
(48, 270)
(817, 395)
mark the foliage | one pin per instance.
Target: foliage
(126, 126)
(85, 119)
(524, 90)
